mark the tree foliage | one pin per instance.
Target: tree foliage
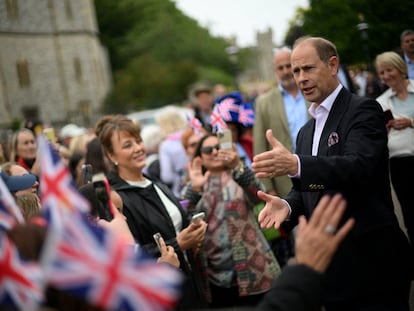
(337, 21)
(156, 52)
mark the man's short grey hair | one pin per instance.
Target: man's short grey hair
(282, 49)
(406, 33)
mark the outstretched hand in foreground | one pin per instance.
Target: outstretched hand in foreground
(318, 239)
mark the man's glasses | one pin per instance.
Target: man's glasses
(209, 149)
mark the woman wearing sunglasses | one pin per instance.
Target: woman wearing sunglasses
(236, 257)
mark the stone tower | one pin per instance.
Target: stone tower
(52, 65)
(265, 47)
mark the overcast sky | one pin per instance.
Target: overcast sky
(243, 18)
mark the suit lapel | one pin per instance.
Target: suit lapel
(305, 143)
(332, 123)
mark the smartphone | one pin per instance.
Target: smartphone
(157, 237)
(103, 195)
(225, 140)
(196, 218)
(50, 134)
(388, 115)
(87, 173)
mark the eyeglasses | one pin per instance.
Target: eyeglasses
(209, 149)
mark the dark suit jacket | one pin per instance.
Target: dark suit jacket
(298, 288)
(353, 160)
(146, 215)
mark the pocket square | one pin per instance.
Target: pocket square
(333, 139)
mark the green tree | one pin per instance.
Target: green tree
(337, 21)
(156, 53)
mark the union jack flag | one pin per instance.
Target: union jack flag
(91, 262)
(9, 211)
(56, 184)
(226, 106)
(194, 123)
(216, 121)
(96, 265)
(246, 115)
(20, 281)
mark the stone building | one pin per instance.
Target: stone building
(259, 76)
(53, 67)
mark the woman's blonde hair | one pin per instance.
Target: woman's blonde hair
(394, 60)
(170, 120)
(13, 143)
(29, 204)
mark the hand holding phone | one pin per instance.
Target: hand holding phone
(157, 236)
(388, 115)
(87, 173)
(196, 218)
(225, 139)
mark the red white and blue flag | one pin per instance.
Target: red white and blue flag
(92, 262)
(57, 188)
(226, 106)
(216, 121)
(10, 213)
(246, 115)
(20, 281)
(7, 221)
(97, 265)
(194, 123)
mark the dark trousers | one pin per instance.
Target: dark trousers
(229, 297)
(402, 172)
(397, 304)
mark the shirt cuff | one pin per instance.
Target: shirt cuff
(290, 209)
(298, 173)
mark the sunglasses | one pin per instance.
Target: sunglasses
(209, 149)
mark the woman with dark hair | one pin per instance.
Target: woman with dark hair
(238, 261)
(76, 160)
(96, 157)
(150, 207)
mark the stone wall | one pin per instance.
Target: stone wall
(51, 62)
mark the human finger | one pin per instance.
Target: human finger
(335, 211)
(343, 231)
(264, 196)
(163, 246)
(315, 219)
(271, 139)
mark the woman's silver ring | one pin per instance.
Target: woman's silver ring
(329, 229)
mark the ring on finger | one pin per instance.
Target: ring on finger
(329, 229)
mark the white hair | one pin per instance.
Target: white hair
(151, 136)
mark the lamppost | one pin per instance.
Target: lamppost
(232, 50)
(363, 28)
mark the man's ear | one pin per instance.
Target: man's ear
(333, 63)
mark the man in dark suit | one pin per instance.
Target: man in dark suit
(343, 148)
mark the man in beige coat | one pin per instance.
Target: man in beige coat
(284, 110)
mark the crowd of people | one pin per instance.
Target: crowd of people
(309, 160)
